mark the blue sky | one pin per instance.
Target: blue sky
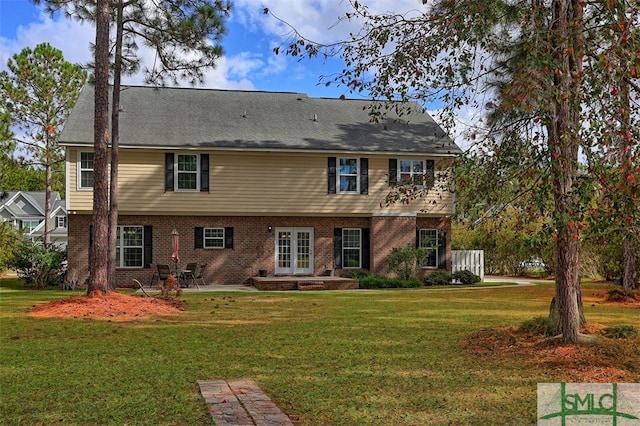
(249, 61)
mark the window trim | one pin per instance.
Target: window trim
(359, 248)
(339, 175)
(205, 238)
(120, 259)
(176, 172)
(80, 170)
(435, 249)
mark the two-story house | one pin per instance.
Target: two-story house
(260, 181)
(25, 210)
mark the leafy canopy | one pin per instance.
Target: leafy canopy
(184, 35)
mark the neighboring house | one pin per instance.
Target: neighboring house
(259, 181)
(25, 211)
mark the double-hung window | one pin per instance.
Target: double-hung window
(213, 238)
(85, 170)
(352, 247)
(411, 172)
(130, 247)
(428, 240)
(61, 221)
(187, 172)
(348, 175)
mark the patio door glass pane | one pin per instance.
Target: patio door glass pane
(284, 249)
(303, 252)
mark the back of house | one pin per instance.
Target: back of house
(252, 181)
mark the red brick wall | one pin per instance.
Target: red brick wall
(254, 245)
(387, 233)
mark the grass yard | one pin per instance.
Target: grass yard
(387, 357)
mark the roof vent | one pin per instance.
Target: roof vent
(244, 114)
(315, 117)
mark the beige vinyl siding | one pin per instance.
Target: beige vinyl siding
(244, 183)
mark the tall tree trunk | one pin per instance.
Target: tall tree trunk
(625, 149)
(630, 262)
(563, 144)
(47, 191)
(99, 246)
(115, 140)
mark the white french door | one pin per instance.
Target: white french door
(294, 250)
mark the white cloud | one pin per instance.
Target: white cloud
(319, 20)
(74, 38)
(71, 37)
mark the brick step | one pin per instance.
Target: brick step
(310, 285)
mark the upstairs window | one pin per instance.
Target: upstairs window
(411, 172)
(348, 175)
(186, 172)
(61, 221)
(85, 170)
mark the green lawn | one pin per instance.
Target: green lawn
(385, 357)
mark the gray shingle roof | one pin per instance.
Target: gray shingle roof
(35, 198)
(226, 119)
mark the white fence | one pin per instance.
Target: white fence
(471, 260)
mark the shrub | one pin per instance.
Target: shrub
(620, 295)
(620, 332)
(356, 274)
(406, 261)
(376, 281)
(439, 277)
(10, 239)
(537, 325)
(466, 277)
(39, 265)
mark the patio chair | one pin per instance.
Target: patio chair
(163, 272)
(189, 274)
(200, 274)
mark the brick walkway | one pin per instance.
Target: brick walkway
(240, 402)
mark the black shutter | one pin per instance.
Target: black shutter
(198, 238)
(148, 247)
(366, 248)
(337, 248)
(417, 238)
(429, 174)
(204, 172)
(364, 175)
(228, 237)
(393, 171)
(331, 175)
(442, 249)
(168, 171)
